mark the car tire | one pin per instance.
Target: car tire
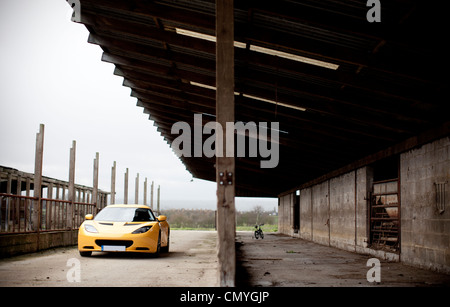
(165, 249)
(158, 247)
(85, 254)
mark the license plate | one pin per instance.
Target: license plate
(113, 248)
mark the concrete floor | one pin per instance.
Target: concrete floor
(282, 261)
(191, 261)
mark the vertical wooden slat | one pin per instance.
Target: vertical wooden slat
(145, 191)
(157, 201)
(9, 201)
(225, 165)
(18, 201)
(35, 211)
(125, 190)
(94, 199)
(71, 196)
(136, 189)
(27, 205)
(50, 205)
(151, 195)
(113, 183)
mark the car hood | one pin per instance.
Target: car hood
(118, 227)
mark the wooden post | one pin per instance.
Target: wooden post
(151, 195)
(225, 164)
(71, 195)
(113, 183)
(125, 190)
(49, 206)
(28, 218)
(36, 210)
(157, 200)
(8, 204)
(145, 191)
(136, 189)
(94, 199)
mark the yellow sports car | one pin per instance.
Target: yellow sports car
(124, 228)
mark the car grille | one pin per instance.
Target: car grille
(126, 243)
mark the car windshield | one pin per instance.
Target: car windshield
(123, 214)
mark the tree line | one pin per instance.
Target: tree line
(203, 218)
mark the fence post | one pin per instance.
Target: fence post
(136, 189)
(94, 199)
(113, 184)
(145, 191)
(36, 210)
(151, 195)
(157, 200)
(36, 207)
(125, 190)
(71, 196)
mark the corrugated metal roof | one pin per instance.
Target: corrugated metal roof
(387, 84)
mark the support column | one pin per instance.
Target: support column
(151, 195)
(136, 189)
(113, 184)
(94, 199)
(145, 191)
(71, 196)
(225, 163)
(157, 201)
(125, 190)
(36, 210)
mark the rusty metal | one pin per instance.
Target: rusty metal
(14, 209)
(384, 216)
(15, 213)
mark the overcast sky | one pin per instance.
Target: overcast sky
(49, 74)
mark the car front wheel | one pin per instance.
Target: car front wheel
(85, 254)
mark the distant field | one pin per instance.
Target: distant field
(196, 219)
(265, 228)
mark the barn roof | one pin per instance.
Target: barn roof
(341, 88)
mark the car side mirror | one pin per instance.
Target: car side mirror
(89, 217)
(162, 218)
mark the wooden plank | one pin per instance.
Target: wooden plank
(94, 199)
(145, 191)
(225, 166)
(71, 196)
(158, 208)
(136, 189)
(151, 195)
(35, 211)
(113, 184)
(125, 191)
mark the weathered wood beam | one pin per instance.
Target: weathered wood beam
(225, 166)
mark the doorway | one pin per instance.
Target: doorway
(384, 211)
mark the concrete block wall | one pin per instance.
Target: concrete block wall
(285, 214)
(425, 232)
(342, 211)
(16, 244)
(363, 187)
(334, 212)
(320, 213)
(306, 214)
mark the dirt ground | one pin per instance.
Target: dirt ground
(282, 261)
(192, 261)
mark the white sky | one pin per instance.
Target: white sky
(49, 74)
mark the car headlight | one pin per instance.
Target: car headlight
(90, 228)
(142, 229)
